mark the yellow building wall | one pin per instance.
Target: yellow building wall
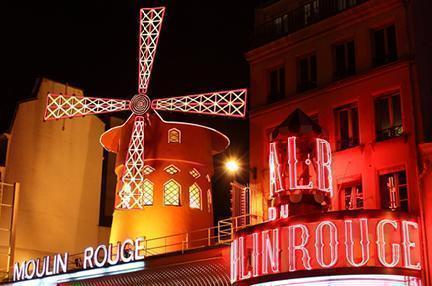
(59, 166)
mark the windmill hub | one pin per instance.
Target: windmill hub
(140, 104)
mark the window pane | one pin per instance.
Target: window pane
(343, 127)
(277, 84)
(341, 5)
(385, 198)
(397, 114)
(148, 192)
(195, 197)
(382, 115)
(273, 83)
(304, 71)
(394, 191)
(379, 47)
(355, 126)
(351, 67)
(348, 198)
(172, 193)
(281, 92)
(391, 43)
(313, 67)
(340, 60)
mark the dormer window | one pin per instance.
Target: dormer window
(174, 135)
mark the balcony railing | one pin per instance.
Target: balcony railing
(387, 133)
(221, 234)
(291, 21)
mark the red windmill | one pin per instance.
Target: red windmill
(230, 103)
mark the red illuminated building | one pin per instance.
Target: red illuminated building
(345, 71)
(340, 152)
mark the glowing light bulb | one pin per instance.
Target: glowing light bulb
(126, 187)
(232, 166)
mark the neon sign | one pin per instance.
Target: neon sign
(295, 167)
(101, 256)
(334, 241)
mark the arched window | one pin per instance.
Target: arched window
(195, 196)
(174, 135)
(209, 200)
(172, 193)
(147, 192)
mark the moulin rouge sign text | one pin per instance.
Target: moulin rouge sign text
(329, 243)
(101, 256)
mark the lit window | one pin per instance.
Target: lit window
(148, 169)
(174, 135)
(172, 193)
(394, 191)
(171, 169)
(353, 196)
(194, 173)
(195, 197)
(209, 200)
(147, 192)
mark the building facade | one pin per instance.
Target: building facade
(58, 164)
(351, 67)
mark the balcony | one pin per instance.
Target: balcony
(291, 21)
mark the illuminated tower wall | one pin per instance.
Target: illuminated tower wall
(177, 179)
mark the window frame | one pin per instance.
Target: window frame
(388, 58)
(352, 184)
(152, 192)
(179, 136)
(281, 84)
(309, 84)
(353, 141)
(346, 72)
(389, 95)
(195, 184)
(393, 172)
(179, 193)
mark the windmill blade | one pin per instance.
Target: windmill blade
(150, 26)
(131, 193)
(67, 106)
(224, 103)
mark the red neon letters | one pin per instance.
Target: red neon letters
(331, 243)
(284, 173)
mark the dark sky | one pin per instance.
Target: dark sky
(93, 45)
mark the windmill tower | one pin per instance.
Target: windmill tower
(163, 168)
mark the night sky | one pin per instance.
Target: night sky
(93, 45)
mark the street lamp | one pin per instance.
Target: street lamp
(232, 166)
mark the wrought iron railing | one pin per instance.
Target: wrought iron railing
(386, 133)
(307, 14)
(221, 234)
